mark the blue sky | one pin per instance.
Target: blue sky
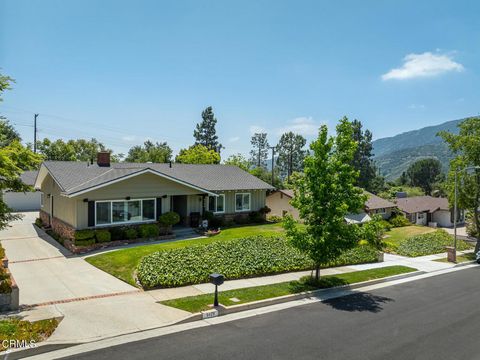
(125, 71)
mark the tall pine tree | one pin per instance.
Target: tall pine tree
(291, 154)
(205, 133)
(259, 152)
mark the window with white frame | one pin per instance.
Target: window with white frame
(216, 204)
(242, 202)
(124, 211)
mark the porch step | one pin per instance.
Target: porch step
(184, 232)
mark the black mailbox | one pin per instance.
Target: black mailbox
(217, 279)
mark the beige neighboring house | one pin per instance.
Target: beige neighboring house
(279, 202)
(428, 210)
(82, 195)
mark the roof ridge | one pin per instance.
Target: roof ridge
(96, 177)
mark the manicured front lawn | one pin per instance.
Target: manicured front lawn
(122, 263)
(198, 303)
(16, 329)
(395, 236)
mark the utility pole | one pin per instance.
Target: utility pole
(35, 133)
(273, 164)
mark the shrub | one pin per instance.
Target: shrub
(169, 219)
(275, 219)
(239, 258)
(117, 233)
(215, 222)
(84, 235)
(39, 222)
(471, 228)
(399, 221)
(255, 217)
(2, 252)
(86, 242)
(386, 225)
(240, 219)
(131, 233)
(429, 243)
(103, 236)
(6, 286)
(149, 231)
(264, 210)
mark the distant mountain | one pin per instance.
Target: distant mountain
(393, 155)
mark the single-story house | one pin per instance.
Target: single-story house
(428, 210)
(24, 201)
(376, 205)
(82, 195)
(279, 203)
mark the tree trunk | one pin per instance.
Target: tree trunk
(317, 272)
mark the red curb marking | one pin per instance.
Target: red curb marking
(39, 259)
(64, 301)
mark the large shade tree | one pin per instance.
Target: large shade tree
(72, 150)
(466, 166)
(324, 195)
(291, 153)
(205, 132)
(424, 173)
(260, 149)
(150, 152)
(198, 154)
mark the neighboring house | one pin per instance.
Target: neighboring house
(80, 195)
(279, 203)
(428, 210)
(24, 201)
(376, 205)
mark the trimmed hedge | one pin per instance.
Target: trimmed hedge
(84, 235)
(103, 236)
(429, 243)
(131, 233)
(149, 231)
(87, 242)
(239, 258)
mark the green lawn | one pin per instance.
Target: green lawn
(461, 258)
(397, 235)
(198, 303)
(16, 329)
(122, 263)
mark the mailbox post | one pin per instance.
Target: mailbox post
(216, 279)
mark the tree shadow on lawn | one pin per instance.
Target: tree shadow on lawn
(358, 302)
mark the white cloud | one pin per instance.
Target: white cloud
(305, 126)
(234, 139)
(423, 65)
(256, 129)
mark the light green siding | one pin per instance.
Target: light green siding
(257, 200)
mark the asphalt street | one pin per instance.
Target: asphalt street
(434, 318)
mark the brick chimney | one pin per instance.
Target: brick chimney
(103, 158)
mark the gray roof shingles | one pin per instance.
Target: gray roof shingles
(422, 203)
(74, 176)
(376, 202)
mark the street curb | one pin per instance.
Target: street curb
(225, 310)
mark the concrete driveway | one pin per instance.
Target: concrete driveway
(54, 283)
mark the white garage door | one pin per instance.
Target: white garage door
(19, 201)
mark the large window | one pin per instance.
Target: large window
(216, 204)
(242, 202)
(124, 211)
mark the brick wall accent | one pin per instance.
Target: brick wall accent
(44, 217)
(231, 216)
(63, 229)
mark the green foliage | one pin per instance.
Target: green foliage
(373, 232)
(260, 150)
(291, 153)
(117, 233)
(150, 152)
(103, 236)
(274, 219)
(131, 233)
(238, 160)
(266, 176)
(6, 286)
(198, 154)
(22, 330)
(391, 192)
(466, 147)
(2, 252)
(86, 242)
(471, 228)
(8, 134)
(255, 217)
(149, 231)
(205, 133)
(72, 150)
(252, 256)
(39, 222)
(325, 195)
(424, 173)
(84, 234)
(399, 221)
(169, 219)
(14, 159)
(429, 243)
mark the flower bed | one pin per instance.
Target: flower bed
(240, 258)
(429, 243)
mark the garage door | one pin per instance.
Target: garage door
(19, 201)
